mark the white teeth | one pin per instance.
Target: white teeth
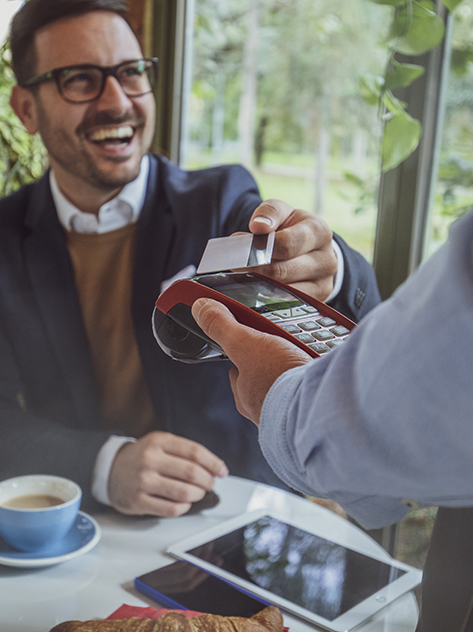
(111, 133)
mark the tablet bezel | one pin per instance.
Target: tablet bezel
(347, 621)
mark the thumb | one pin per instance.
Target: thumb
(269, 215)
(218, 323)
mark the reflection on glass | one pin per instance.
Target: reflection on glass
(251, 292)
(316, 574)
(275, 86)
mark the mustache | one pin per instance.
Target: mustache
(101, 119)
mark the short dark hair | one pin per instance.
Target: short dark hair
(35, 14)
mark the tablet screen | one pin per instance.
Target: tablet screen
(316, 574)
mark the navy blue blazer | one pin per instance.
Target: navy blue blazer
(49, 401)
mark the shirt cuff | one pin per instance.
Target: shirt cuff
(339, 274)
(103, 465)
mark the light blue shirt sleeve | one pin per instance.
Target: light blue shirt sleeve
(389, 415)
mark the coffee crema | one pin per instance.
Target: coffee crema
(33, 501)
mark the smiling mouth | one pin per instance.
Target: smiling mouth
(122, 135)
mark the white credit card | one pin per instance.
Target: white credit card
(236, 252)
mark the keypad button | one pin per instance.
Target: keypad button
(292, 329)
(319, 347)
(311, 310)
(294, 312)
(326, 321)
(298, 311)
(309, 325)
(283, 313)
(305, 338)
(323, 334)
(340, 330)
(272, 317)
(336, 342)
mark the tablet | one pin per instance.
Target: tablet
(323, 581)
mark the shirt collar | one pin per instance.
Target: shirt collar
(120, 211)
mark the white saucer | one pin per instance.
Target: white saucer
(84, 535)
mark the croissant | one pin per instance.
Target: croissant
(268, 620)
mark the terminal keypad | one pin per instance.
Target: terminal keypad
(307, 324)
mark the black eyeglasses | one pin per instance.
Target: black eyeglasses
(84, 83)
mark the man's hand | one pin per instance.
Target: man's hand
(258, 358)
(162, 475)
(303, 255)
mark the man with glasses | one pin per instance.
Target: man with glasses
(86, 82)
(84, 253)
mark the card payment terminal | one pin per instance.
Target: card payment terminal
(255, 300)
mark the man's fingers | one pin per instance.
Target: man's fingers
(162, 474)
(174, 490)
(146, 505)
(306, 267)
(269, 215)
(186, 450)
(301, 233)
(178, 469)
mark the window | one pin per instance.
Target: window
(453, 179)
(275, 86)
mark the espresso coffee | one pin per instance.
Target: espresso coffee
(33, 501)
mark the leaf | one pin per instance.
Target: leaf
(460, 58)
(402, 75)
(394, 105)
(452, 4)
(371, 88)
(401, 137)
(353, 178)
(422, 33)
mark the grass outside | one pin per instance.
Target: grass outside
(340, 203)
(292, 178)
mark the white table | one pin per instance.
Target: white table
(96, 584)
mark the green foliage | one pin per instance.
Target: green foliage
(402, 75)
(415, 29)
(460, 59)
(367, 189)
(401, 137)
(452, 4)
(309, 57)
(456, 174)
(22, 157)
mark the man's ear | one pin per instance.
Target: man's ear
(23, 104)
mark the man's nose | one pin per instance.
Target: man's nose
(113, 96)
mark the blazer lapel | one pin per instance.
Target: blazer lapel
(154, 242)
(52, 279)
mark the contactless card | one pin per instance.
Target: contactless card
(236, 252)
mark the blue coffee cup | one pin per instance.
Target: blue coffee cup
(37, 510)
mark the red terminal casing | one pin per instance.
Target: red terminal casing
(187, 291)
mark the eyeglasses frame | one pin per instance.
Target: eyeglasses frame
(107, 71)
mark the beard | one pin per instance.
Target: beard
(70, 149)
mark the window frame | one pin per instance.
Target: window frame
(406, 193)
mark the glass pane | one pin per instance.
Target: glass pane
(275, 86)
(454, 186)
(7, 11)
